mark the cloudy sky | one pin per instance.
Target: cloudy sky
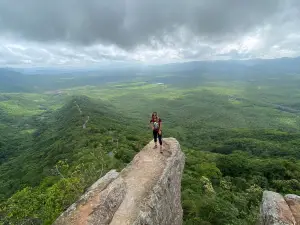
(77, 32)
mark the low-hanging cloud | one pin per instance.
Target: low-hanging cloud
(129, 23)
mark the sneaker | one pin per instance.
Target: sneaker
(161, 151)
(155, 146)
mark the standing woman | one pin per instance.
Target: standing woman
(155, 124)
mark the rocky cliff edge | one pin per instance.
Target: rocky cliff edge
(146, 192)
(279, 210)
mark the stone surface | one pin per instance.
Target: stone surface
(147, 191)
(79, 210)
(275, 210)
(106, 204)
(294, 203)
(163, 205)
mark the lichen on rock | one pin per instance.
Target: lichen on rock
(275, 210)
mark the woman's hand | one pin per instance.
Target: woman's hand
(159, 132)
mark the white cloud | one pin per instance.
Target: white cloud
(268, 41)
(75, 32)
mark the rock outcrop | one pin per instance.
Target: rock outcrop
(146, 192)
(279, 210)
(294, 203)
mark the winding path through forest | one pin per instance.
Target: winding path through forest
(87, 120)
(80, 111)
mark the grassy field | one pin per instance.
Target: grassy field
(29, 104)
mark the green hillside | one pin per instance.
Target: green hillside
(81, 156)
(240, 134)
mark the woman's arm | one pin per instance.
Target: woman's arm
(160, 127)
(151, 125)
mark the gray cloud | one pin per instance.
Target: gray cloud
(129, 23)
(77, 32)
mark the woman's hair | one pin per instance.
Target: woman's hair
(153, 115)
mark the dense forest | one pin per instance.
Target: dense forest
(59, 158)
(240, 135)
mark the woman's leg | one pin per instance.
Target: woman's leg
(155, 137)
(160, 139)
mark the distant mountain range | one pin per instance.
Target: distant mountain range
(76, 69)
(12, 81)
(27, 79)
(286, 65)
(279, 64)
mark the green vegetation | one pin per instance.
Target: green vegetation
(60, 159)
(240, 136)
(242, 165)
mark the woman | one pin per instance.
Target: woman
(155, 124)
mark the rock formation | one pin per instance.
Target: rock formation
(279, 210)
(294, 203)
(146, 192)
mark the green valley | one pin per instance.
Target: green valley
(239, 130)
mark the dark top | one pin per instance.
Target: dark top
(156, 123)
